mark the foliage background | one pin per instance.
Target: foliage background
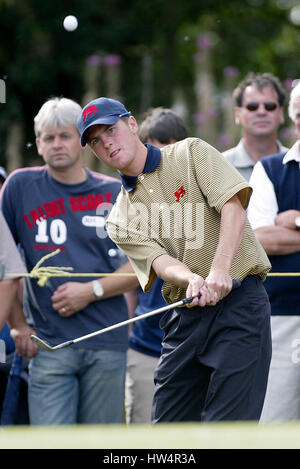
(186, 54)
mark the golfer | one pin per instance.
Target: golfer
(181, 216)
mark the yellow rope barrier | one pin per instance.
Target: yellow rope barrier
(43, 273)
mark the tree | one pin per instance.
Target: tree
(147, 50)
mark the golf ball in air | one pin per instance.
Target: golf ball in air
(70, 23)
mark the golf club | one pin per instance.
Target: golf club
(46, 346)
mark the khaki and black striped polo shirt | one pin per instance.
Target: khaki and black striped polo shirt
(175, 209)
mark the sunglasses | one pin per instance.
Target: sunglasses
(269, 106)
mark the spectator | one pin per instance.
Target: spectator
(63, 205)
(259, 111)
(274, 213)
(160, 127)
(11, 263)
(212, 349)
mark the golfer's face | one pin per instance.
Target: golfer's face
(115, 145)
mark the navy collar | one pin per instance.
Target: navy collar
(152, 162)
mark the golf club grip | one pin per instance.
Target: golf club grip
(235, 284)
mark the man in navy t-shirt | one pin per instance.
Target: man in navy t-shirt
(63, 205)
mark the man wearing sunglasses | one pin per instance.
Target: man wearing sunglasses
(259, 107)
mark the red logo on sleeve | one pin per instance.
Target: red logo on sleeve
(179, 193)
(89, 111)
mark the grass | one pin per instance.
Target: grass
(163, 436)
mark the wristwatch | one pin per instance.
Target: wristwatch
(297, 222)
(98, 290)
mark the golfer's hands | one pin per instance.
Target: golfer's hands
(215, 287)
(196, 287)
(24, 345)
(71, 297)
(219, 284)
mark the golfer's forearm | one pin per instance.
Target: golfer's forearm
(172, 270)
(233, 220)
(278, 240)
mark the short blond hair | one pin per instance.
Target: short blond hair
(294, 96)
(56, 112)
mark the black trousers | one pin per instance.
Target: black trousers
(215, 359)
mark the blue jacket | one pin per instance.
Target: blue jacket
(146, 335)
(284, 292)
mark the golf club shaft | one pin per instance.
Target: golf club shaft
(235, 283)
(136, 318)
